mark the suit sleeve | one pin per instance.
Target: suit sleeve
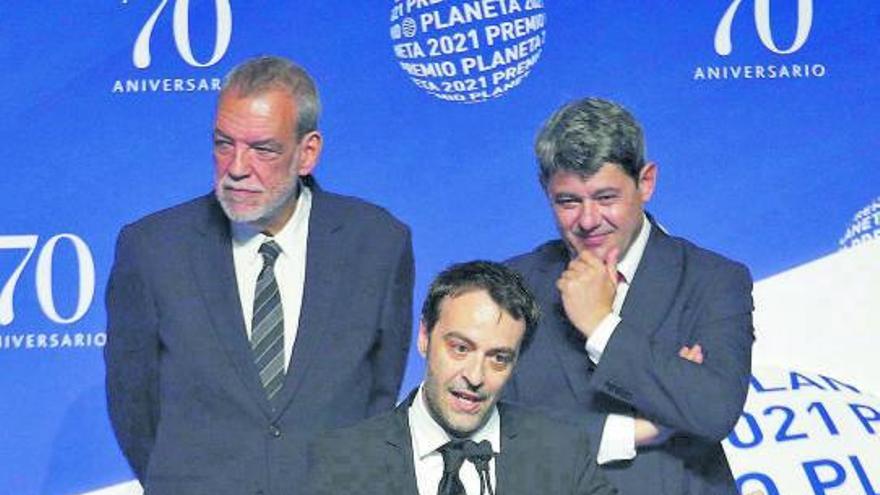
(589, 478)
(703, 400)
(131, 357)
(390, 354)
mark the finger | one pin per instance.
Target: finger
(697, 353)
(589, 258)
(611, 265)
(564, 283)
(581, 266)
(612, 257)
(693, 354)
(578, 265)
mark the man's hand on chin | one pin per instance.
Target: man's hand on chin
(588, 286)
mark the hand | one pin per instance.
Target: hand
(693, 354)
(648, 433)
(588, 286)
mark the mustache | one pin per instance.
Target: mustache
(229, 183)
(468, 392)
(579, 232)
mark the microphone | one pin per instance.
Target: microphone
(480, 454)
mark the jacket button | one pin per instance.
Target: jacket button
(274, 431)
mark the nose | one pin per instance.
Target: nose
(239, 165)
(473, 373)
(589, 217)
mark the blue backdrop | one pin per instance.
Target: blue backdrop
(766, 142)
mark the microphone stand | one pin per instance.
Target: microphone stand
(480, 454)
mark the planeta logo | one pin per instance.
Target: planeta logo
(865, 226)
(724, 44)
(467, 51)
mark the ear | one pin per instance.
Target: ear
(423, 339)
(309, 151)
(647, 181)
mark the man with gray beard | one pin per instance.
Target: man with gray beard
(245, 321)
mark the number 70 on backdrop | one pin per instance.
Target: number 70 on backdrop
(21, 249)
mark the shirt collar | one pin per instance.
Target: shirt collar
(630, 262)
(428, 436)
(249, 238)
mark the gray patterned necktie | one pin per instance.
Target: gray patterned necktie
(267, 329)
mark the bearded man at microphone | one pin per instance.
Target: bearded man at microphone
(450, 436)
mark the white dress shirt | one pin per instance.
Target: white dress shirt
(290, 267)
(618, 435)
(428, 436)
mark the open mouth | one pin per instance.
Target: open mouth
(466, 402)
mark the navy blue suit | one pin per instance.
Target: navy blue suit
(538, 456)
(680, 295)
(184, 394)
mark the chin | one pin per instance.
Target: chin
(461, 432)
(238, 214)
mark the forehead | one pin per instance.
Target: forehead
(610, 175)
(269, 111)
(475, 316)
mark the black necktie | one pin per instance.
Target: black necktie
(453, 457)
(454, 453)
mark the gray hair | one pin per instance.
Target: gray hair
(265, 73)
(585, 134)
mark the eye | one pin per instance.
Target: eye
(502, 360)
(222, 145)
(458, 348)
(567, 202)
(266, 151)
(606, 198)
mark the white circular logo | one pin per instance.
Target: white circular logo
(464, 50)
(865, 226)
(805, 433)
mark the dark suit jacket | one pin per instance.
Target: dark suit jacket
(538, 456)
(184, 393)
(680, 295)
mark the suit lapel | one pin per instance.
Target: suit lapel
(399, 458)
(515, 454)
(210, 256)
(655, 283)
(319, 292)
